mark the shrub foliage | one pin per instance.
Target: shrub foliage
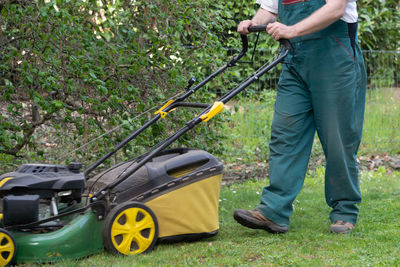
(87, 66)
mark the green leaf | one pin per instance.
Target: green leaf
(57, 104)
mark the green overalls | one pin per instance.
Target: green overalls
(321, 88)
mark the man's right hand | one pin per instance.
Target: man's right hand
(244, 25)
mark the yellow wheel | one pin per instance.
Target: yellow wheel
(130, 228)
(7, 248)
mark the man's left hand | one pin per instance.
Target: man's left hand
(281, 31)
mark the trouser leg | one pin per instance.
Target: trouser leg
(338, 101)
(292, 134)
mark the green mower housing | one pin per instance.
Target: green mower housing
(47, 217)
(80, 237)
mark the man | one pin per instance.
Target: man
(321, 89)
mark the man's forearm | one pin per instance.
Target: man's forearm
(322, 18)
(332, 11)
(263, 16)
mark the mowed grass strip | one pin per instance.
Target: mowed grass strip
(375, 241)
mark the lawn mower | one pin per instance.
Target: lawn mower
(53, 212)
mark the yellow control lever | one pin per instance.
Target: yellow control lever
(215, 109)
(162, 113)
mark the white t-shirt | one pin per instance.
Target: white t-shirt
(350, 14)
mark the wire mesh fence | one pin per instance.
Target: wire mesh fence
(382, 115)
(249, 133)
(382, 67)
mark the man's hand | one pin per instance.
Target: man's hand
(278, 31)
(243, 27)
(261, 17)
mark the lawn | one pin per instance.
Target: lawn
(375, 241)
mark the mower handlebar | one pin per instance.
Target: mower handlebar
(257, 28)
(245, 46)
(285, 43)
(263, 28)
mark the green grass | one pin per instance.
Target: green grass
(248, 126)
(374, 242)
(382, 122)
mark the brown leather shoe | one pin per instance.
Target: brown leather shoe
(342, 227)
(255, 220)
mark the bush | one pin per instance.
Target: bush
(80, 68)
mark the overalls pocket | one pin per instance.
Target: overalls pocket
(346, 46)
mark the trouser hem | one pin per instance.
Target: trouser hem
(341, 217)
(272, 216)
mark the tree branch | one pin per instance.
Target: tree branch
(28, 131)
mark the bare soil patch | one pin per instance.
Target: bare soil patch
(236, 172)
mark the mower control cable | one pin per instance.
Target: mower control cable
(171, 104)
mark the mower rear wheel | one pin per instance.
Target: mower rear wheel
(8, 248)
(130, 228)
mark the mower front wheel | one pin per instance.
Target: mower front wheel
(8, 248)
(130, 228)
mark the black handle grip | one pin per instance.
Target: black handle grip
(257, 28)
(263, 28)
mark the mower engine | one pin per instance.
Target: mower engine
(36, 191)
